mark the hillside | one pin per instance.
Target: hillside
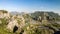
(41, 13)
(29, 23)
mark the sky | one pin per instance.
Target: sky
(30, 5)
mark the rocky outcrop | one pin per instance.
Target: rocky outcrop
(13, 21)
(17, 21)
(4, 14)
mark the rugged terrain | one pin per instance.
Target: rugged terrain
(39, 22)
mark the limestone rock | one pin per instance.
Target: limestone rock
(16, 21)
(11, 24)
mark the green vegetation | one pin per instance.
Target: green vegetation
(3, 25)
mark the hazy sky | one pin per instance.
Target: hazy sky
(30, 5)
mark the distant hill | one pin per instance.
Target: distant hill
(41, 13)
(14, 13)
(19, 13)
